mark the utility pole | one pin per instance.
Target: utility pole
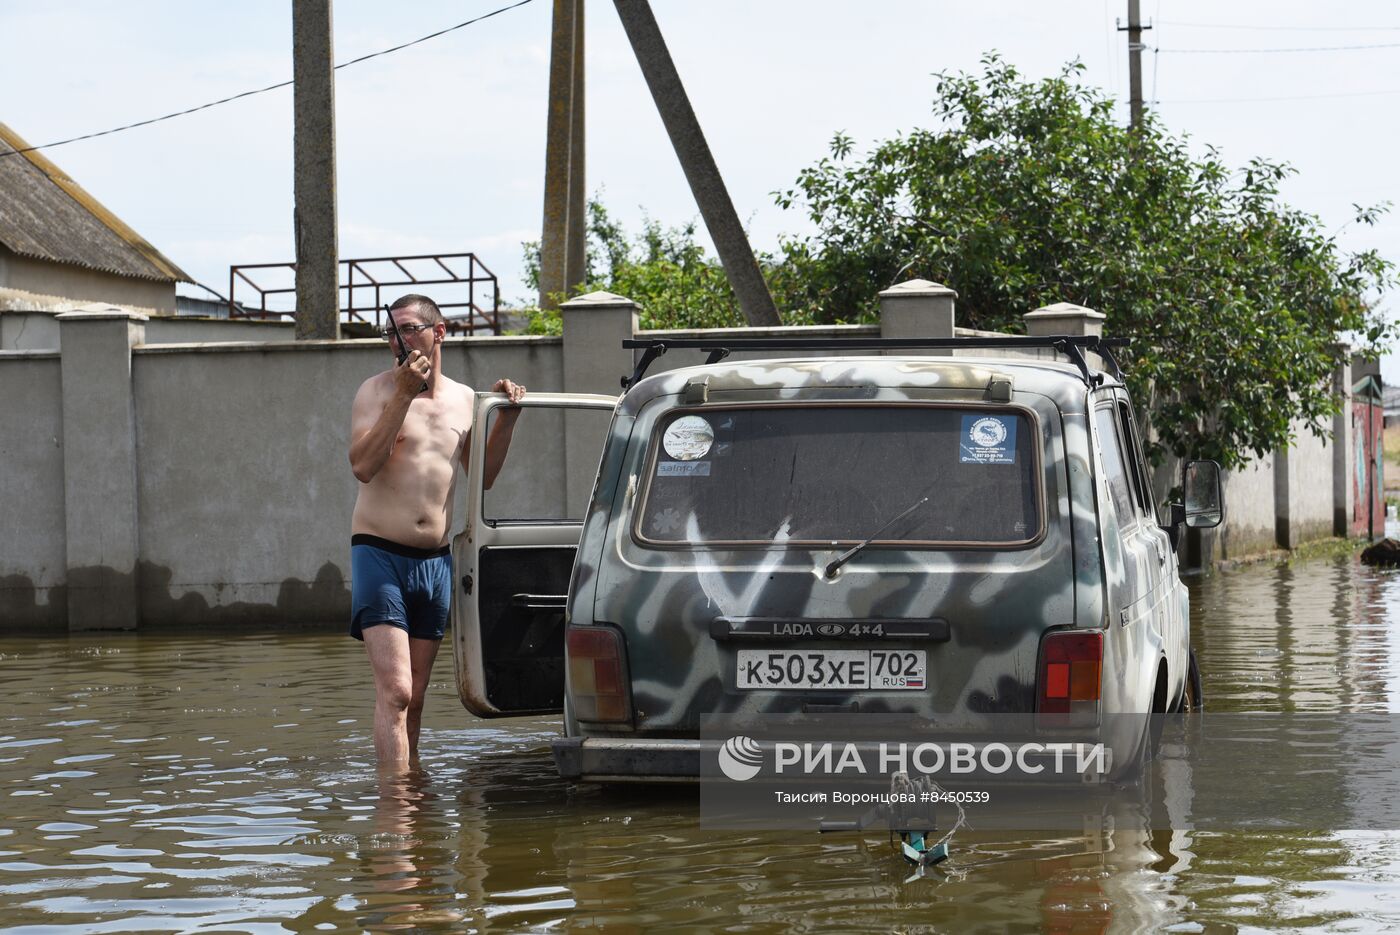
(698, 163)
(563, 237)
(313, 134)
(1134, 30)
(576, 240)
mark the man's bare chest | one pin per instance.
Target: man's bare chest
(432, 430)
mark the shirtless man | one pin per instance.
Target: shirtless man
(405, 445)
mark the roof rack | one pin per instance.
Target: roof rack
(1072, 346)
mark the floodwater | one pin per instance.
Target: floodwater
(154, 782)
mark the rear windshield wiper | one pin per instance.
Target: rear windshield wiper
(851, 553)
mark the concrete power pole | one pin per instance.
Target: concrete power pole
(576, 240)
(697, 162)
(314, 217)
(563, 238)
(1134, 29)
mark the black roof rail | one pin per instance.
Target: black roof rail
(1072, 346)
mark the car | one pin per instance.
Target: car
(900, 532)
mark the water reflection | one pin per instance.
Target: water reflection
(395, 858)
(154, 782)
(1311, 636)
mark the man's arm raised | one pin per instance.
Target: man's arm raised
(498, 442)
(375, 419)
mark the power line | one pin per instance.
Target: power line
(1261, 26)
(1108, 51)
(1156, 59)
(1316, 48)
(1297, 97)
(271, 87)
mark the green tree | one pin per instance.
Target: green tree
(1028, 193)
(662, 269)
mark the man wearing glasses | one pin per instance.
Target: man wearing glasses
(409, 428)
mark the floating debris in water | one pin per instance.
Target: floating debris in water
(910, 815)
(1383, 554)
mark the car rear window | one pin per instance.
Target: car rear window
(816, 475)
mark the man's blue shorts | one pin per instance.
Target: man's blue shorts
(399, 585)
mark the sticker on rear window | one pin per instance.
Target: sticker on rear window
(683, 469)
(688, 438)
(988, 440)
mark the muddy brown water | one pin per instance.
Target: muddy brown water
(154, 782)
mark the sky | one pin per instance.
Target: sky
(440, 147)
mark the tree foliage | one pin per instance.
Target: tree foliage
(662, 269)
(1028, 193)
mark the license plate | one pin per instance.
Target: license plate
(832, 669)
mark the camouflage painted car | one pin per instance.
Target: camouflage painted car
(930, 535)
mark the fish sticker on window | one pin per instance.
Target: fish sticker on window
(688, 438)
(988, 440)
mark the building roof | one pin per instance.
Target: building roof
(46, 215)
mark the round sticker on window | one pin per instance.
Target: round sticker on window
(688, 438)
(987, 433)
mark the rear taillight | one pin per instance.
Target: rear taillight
(598, 686)
(1071, 663)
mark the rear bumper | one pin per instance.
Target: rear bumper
(622, 758)
(627, 759)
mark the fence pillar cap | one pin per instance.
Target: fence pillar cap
(917, 287)
(101, 311)
(1064, 318)
(598, 299)
(1065, 310)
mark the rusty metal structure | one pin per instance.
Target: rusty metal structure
(363, 283)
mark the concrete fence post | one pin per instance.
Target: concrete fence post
(99, 466)
(595, 325)
(1064, 318)
(1284, 531)
(917, 309)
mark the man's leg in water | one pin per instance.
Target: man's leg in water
(391, 660)
(421, 656)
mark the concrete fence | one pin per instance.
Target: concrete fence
(39, 330)
(195, 484)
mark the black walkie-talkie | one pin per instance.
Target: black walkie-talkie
(403, 349)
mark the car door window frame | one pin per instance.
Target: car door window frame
(1137, 466)
(482, 493)
(1134, 513)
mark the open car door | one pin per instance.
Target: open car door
(514, 559)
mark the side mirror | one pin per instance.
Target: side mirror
(1205, 507)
